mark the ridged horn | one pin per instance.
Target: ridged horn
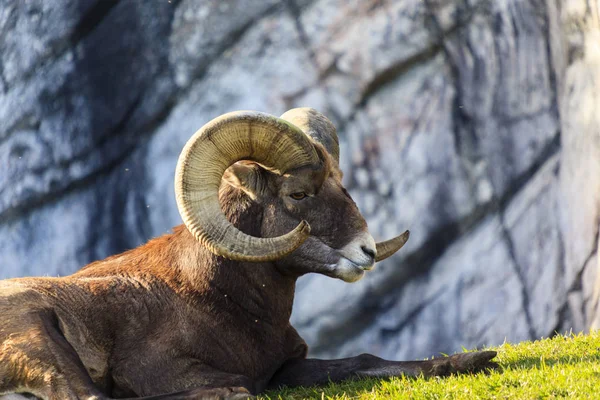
(242, 135)
(389, 247)
(317, 126)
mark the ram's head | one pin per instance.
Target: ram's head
(290, 167)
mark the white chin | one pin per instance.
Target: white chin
(347, 271)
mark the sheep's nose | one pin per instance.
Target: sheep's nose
(369, 252)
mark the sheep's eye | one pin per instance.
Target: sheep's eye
(298, 195)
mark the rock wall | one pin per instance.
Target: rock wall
(473, 123)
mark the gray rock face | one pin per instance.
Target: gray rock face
(473, 123)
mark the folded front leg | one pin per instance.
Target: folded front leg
(308, 372)
(184, 379)
(224, 393)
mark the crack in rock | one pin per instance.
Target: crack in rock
(519, 273)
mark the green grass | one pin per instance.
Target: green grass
(558, 368)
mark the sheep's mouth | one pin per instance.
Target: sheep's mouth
(364, 267)
(348, 271)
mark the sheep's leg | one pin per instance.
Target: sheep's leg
(307, 372)
(36, 358)
(181, 380)
(224, 393)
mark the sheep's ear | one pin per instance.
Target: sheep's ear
(249, 177)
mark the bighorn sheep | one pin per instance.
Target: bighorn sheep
(204, 312)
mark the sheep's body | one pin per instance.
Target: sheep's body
(128, 315)
(172, 320)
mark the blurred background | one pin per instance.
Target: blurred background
(473, 123)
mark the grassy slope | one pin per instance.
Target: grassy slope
(561, 367)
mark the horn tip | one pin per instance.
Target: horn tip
(303, 228)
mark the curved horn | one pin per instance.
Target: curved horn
(389, 247)
(317, 126)
(241, 135)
